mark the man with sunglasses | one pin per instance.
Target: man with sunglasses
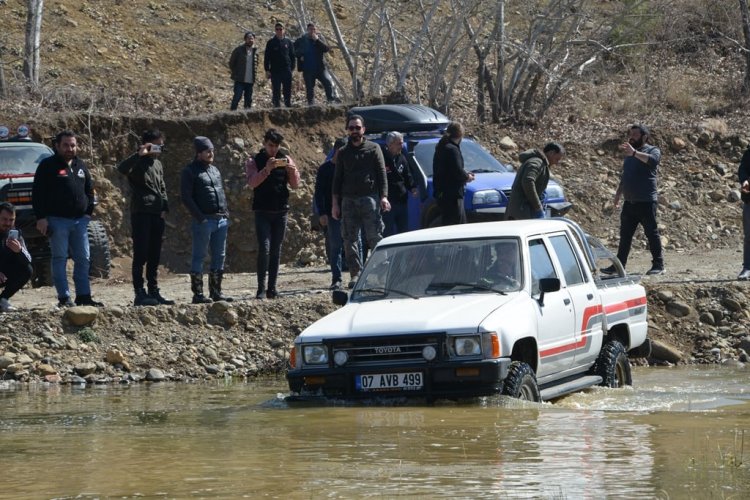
(279, 61)
(360, 192)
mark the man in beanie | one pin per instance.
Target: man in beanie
(202, 192)
(243, 63)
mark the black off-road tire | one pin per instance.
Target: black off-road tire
(100, 257)
(521, 383)
(613, 365)
(42, 275)
(431, 216)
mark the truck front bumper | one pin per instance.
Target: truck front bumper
(449, 380)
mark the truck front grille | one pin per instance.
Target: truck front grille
(387, 350)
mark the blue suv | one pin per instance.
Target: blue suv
(486, 197)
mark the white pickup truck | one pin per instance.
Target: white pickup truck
(514, 308)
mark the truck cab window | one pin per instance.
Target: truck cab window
(541, 264)
(568, 261)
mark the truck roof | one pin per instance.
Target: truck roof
(515, 228)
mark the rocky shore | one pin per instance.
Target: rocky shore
(691, 320)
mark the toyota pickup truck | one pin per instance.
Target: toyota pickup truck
(514, 308)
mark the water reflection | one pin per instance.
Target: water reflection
(669, 437)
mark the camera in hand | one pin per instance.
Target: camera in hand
(156, 148)
(282, 162)
(13, 234)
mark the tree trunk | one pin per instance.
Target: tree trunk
(31, 60)
(746, 31)
(340, 39)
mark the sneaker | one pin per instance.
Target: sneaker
(86, 300)
(64, 302)
(5, 305)
(655, 270)
(260, 294)
(744, 275)
(609, 270)
(272, 294)
(335, 285)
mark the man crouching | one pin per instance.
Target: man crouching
(15, 261)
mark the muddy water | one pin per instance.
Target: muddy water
(678, 434)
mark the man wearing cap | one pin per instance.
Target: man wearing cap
(531, 182)
(310, 50)
(243, 63)
(638, 187)
(202, 192)
(279, 61)
(323, 202)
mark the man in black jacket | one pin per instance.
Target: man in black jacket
(279, 61)
(360, 193)
(202, 192)
(243, 63)
(63, 199)
(400, 185)
(148, 208)
(449, 177)
(310, 50)
(744, 175)
(15, 261)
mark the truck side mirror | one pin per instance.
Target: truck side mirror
(340, 297)
(547, 285)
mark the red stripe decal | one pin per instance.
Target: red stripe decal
(628, 304)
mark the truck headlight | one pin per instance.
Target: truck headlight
(486, 197)
(315, 355)
(554, 191)
(467, 346)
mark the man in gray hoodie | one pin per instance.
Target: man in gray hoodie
(531, 181)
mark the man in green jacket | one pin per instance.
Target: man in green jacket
(148, 207)
(531, 181)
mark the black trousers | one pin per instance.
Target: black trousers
(17, 271)
(148, 231)
(452, 211)
(643, 213)
(281, 79)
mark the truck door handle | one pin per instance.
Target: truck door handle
(590, 296)
(566, 301)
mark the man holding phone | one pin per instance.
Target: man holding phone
(15, 260)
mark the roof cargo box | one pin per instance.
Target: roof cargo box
(400, 117)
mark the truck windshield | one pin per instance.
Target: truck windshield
(21, 158)
(440, 268)
(476, 158)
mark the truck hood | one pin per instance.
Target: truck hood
(447, 313)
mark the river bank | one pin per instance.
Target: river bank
(697, 314)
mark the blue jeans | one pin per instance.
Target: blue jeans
(213, 233)
(70, 235)
(396, 220)
(335, 244)
(269, 228)
(239, 89)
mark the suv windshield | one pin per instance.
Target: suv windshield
(441, 268)
(476, 158)
(21, 157)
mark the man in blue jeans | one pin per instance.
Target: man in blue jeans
(202, 192)
(324, 203)
(63, 201)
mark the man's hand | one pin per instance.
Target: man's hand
(268, 75)
(616, 201)
(539, 214)
(336, 211)
(144, 149)
(415, 193)
(385, 205)
(3, 278)
(323, 219)
(41, 226)
(471, 177)
(627, 149)
(13, 245)
(745, 188)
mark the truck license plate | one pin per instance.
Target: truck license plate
(411, 381)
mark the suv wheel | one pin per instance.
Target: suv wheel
(99, 250)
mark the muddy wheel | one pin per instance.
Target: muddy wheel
(431, 215)
(613, 365)
(521, 383)
(98, 250)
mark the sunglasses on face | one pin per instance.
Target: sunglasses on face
(355, 127)
(279, 29)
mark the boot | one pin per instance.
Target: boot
(86, 300)
(196, 285)
(214, 286)
(143, 299)
(153, 292)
